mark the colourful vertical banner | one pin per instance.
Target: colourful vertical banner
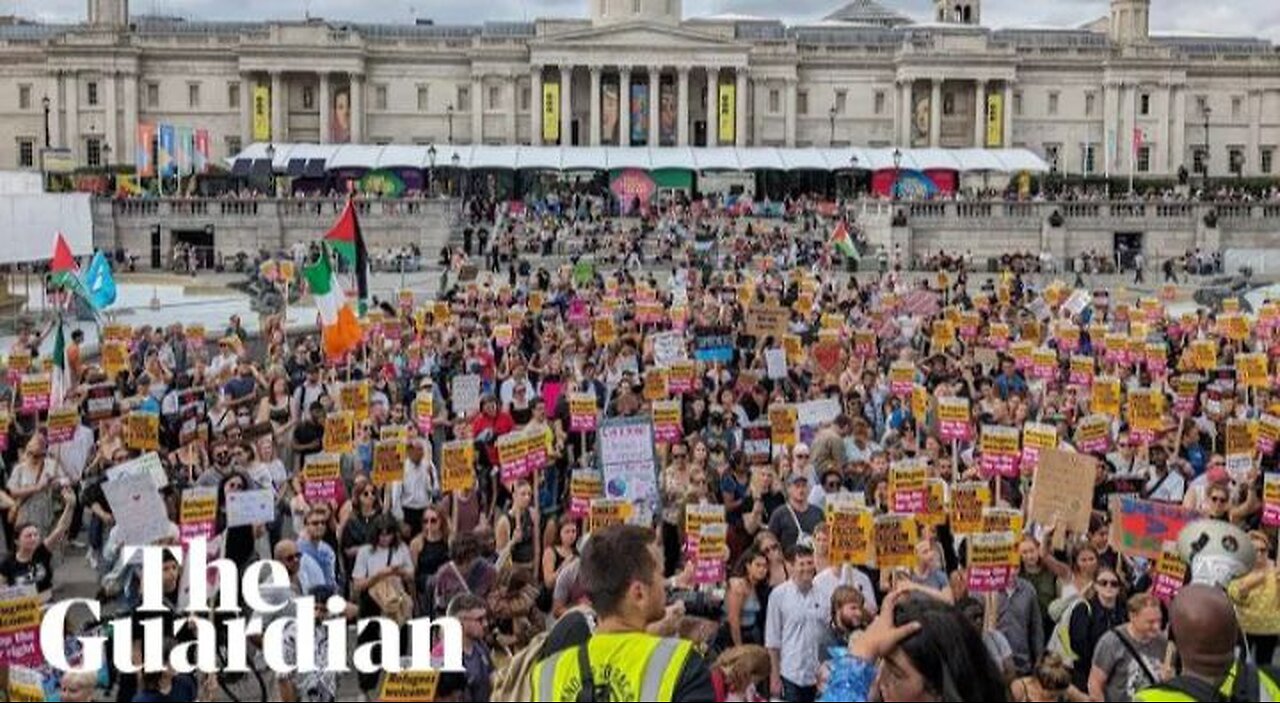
(550, 113)
(167, 144)
(668, 114)
(728, 113)
(261, 113)
(143, 160)
(186, 151)
(995, 120)
(202, 151)
(640, 114)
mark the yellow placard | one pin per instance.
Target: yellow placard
(606, 512)
(655, 384)
(852, 531)
(784, 423)
(388, 462)
(355, 397)
(339, 432)
(198, 507)
(606, 331)
(457, 467)
(896, 537)
(410, 685)
(968, 501)
(1204, 354)
(995, 120)
(1106, 396)
(142, 432)
(1251, 370)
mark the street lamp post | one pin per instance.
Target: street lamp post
(106, 165)
(449, 112)
(431, 173)
(457, 162)
(853, 176)
(832, 114)
(271, 158)
(897, 171)
(44, 174)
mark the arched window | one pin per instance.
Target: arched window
(968, 14)
(635, 7)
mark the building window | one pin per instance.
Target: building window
(842, 101)
(1053, 103)
(1237, 109)
(1144, 159)
(380, 97)
(92, 87)
(464, 98)
(1090, 104)
(153, 95)
(93, 152)
(1017, 103)
(802, 103)
(1144, 104)
(635, 7)
(424, 99)
(26, 153)
(1199, 158)
(495, 98)
(193, 95)
(234, 145)
(308, 98)
(1090, 159)
(1235, 157)
(24, 97)
(233, 95)
(880, 102)
(1052, 154)
(775, 102)
(526, 98)
(949, 104)
(1266, 160)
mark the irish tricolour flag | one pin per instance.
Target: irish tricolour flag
(341, 329)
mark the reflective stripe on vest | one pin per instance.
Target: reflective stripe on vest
(653, 664)
(1268, 692)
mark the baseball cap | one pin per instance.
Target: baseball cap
(797, 479)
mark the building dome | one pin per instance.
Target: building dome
(615, 11)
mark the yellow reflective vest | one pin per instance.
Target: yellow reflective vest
(633, 666)
(1268, 691)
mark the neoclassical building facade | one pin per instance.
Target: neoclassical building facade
(1106, 97)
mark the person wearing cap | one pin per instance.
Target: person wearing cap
(1167, 484)
(794, 522)
(311, 390)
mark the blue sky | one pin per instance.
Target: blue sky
(1232, 17)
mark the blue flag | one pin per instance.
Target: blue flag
(98, 284)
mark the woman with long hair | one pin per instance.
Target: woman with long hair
(383, 560)
(561, 547)
(918, 649)
(429, 549)
(740, 673)
(357, 529)
(517, 529)
(1049, 683)
(1256, 595)
(767, 543)
(1101, 610)
(745, 603)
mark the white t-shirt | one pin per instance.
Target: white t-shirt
(832, 578)
(371, 560)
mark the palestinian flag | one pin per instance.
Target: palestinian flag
(63, 269)
(341, 329)
(61, 382)
(842, 242)
(346, 239)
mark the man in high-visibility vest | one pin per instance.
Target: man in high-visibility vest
(621, 570)
(1203, 624)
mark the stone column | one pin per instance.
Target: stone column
(624, 106)
(740, 111)
(904, 114)
(594, 130)
(513, 115)
(566, 105)
(1110, 128)
(535, 107)
(477, 109)
(1178, 141)
(326, 103)
(109, 85)
(277, 108)
(1007, 139)
(54, 92)
(980, 115)
(1130, 125)
(72, 88)
(655, 104)
(357, 108)
(1253, 153)
(935, 114)
(682, 98)
(713, 102)
(246, 109)
(131, 118)
(1160, 155)
(792, 86)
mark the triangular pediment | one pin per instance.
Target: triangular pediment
(645, 34)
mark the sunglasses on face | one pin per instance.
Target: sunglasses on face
(316, 523)
(1108, 583)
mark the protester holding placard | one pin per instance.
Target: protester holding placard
(32, 563)
(1256, 595)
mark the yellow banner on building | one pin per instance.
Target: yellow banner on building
(550, 113)
(995, 120)
(728, 113)
(261, 113)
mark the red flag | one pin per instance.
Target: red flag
(63, 261)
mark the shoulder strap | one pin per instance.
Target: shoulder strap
(1195, 688)
(588, 692)
(1137, 656)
